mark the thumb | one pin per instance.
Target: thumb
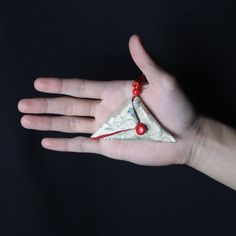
(152, 71)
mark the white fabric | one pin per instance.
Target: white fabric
(125, 118)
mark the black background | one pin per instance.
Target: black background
(50, 193)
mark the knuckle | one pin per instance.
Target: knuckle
(66, 146)
(94, 125)
(147, 65)
(44, 102)
(61, 85)
(81, 87)
(81, 144)
(92, 109)
(72, 124)
(49, 123)
(69, 107)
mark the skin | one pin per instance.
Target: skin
(84, 105)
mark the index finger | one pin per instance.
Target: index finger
(73, 87)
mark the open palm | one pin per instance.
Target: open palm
(88, 104)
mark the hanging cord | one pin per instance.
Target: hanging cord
(137, 89)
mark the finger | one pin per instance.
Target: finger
(77, 144)
(135, 151)
(60, 123)
(126, 150)
(152, 71)
(72, 87)
(61, 105)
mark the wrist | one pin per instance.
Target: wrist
(201, 133)
(212, 139)
(214, 151)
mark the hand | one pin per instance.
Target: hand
(89, 103)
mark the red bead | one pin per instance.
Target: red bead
(141, 129)
(136, 84)
(136, 91)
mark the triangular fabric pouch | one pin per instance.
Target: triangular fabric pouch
(122, 124)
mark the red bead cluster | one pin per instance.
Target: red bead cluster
(137, 87)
